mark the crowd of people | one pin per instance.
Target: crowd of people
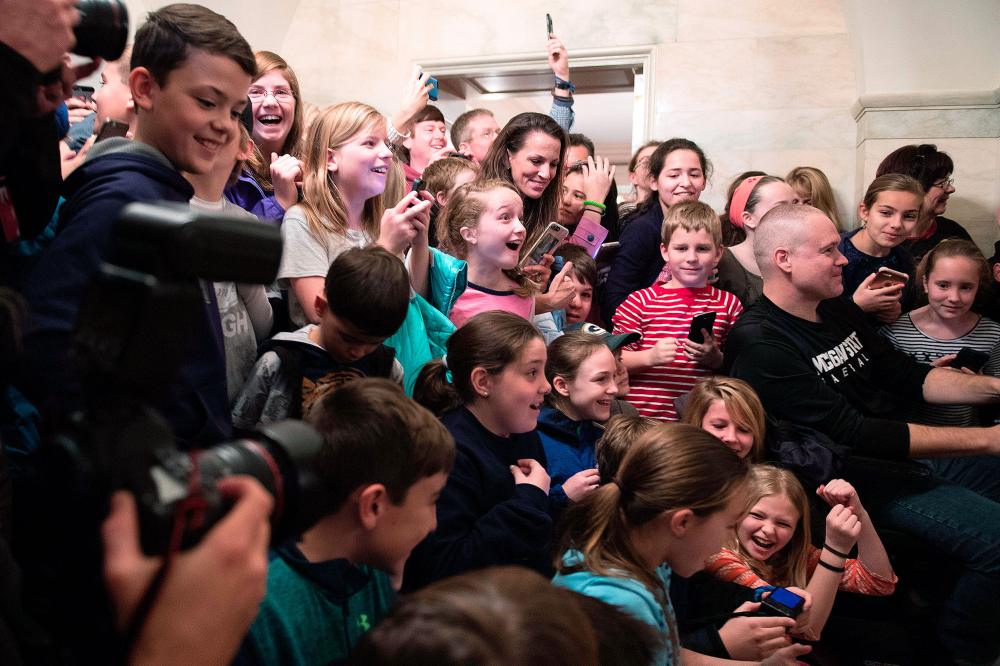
(648, 448)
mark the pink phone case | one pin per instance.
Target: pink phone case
(589, 235)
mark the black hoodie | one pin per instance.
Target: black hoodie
(118, 172)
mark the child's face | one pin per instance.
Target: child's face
(591, 391)
(583, 297)
(770, 195)
(429, 138)
(768, 527)
(195, 113)
(681, 178)
(273, 110)
(361, 165)
(952, 286)
(402, 526)
(114, 99)
(891, 219)
(691, 256)
(498, 235)
(621, 375)
(535, 165)
(705, 537)
(737, 436)
(516, 393)
(342, 341)
(573, 196)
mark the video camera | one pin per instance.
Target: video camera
(103, 29)
(147, 298)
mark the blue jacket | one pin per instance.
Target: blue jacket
(426, 329)
(569, 448)
(483, 518)
(638, 261)
(118, 172)
(249, 195)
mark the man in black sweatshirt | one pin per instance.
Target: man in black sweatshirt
(814, 360)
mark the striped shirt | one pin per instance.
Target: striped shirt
(657, 313)
(984, 337)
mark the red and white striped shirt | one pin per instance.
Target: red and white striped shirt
(657, 313)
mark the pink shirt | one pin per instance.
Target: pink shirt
(476, 299)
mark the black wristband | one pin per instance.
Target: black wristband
(835, 552)
(829, 566)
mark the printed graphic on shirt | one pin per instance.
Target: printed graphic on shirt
(841, 361)
(314, 391)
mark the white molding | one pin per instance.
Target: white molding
(937, 99)
(617, 56)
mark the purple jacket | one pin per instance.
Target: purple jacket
(249, 195)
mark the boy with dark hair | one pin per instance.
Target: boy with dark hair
(365, 301)
(191, 69)
(429, 142)
(384, 461)
(583, 275)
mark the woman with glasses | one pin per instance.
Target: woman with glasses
(933, 170)
(268, 185)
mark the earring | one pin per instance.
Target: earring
(486, 394)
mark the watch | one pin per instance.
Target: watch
(565, 85)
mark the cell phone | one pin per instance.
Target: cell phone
(970, 358)
(418, 185)
(886, 277)
(551, 238)
(86, 93)
(548, 26)
(783, 603)
(111, 129)
(589, 235)
(432, 94)
(704, 321)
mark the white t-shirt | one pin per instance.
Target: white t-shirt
(305, 255)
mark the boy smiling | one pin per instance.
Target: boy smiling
(190, 72)
(665, 364)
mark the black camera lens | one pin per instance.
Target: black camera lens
(103, 29)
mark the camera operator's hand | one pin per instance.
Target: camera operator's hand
(211, 593)
(40, 30)
(51, 95)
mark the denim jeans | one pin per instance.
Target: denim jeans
(964, 523)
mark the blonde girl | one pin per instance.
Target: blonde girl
(771, 546)
(346, 164)
(729, 409)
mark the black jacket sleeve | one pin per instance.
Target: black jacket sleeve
(639, 248)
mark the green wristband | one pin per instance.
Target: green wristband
(595, 204)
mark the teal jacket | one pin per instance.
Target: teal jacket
(426, 329)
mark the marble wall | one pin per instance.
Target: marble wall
(763, 84)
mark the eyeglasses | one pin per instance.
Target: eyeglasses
(279, 94)
(944, 183)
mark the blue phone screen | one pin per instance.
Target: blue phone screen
(786, 598)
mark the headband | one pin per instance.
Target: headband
(739, 200)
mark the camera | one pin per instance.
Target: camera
(149, 300)
(103, 29)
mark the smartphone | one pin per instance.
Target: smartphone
(110, 129)
(970, 358)
(886, 277)
(86, 93)
(704, 321)
(548, 26)
(418, 185)
(782, 602)
(551, 238)
(589, 235)
(432, 94)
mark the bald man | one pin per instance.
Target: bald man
(815, 360)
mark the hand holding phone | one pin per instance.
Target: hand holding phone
(703, 322)
(970, 358)
(551, 238)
